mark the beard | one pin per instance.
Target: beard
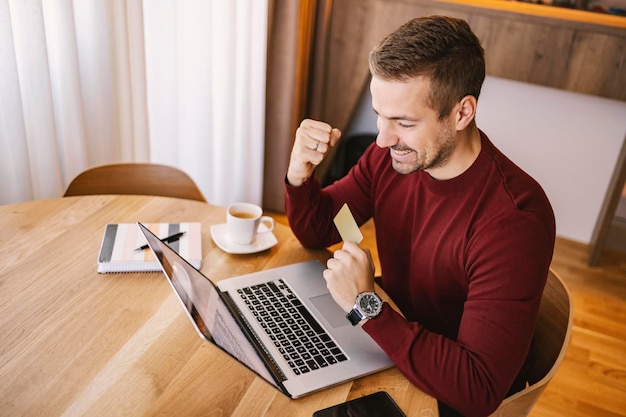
(434, 156)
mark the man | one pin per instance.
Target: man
(465, 237)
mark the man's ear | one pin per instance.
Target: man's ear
(466, 112)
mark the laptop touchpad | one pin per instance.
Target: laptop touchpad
(330, 310)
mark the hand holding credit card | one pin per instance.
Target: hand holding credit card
(346, 225)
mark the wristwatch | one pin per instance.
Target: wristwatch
(368, 305)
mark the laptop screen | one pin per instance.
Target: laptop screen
(205, 308)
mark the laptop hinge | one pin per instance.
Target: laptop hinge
(265, 356)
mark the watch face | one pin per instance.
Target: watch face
(370, 304)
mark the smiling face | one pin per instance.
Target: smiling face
(416, 138)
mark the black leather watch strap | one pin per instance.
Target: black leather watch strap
(354, 317)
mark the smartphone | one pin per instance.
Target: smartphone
(378, 404)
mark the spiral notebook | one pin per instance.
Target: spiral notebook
(120, 249)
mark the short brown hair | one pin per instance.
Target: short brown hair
(441, 48)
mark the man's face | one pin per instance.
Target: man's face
(416, 139)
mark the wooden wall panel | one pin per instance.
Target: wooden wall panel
(597, 65)
(523, 51)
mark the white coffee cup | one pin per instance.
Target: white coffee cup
(243, 222)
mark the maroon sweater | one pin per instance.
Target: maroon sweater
(465, 260)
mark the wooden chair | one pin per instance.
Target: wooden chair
(552, 335)
(135, 178)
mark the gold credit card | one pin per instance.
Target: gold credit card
(348, 229)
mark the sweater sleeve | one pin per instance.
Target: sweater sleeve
(311, 209)
(507, 266)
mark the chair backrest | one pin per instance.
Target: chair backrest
(135, 178)
(552, 334)
(349, 150)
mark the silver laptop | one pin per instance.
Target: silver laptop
(281, 323)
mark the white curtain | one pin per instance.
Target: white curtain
(92, 82)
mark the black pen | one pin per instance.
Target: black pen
(169, 239)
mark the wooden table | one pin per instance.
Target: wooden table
(77, 343)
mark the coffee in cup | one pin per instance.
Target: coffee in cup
(243, 222)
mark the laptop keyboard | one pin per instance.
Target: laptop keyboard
(302, 341)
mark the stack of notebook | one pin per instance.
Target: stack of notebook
(124, 247)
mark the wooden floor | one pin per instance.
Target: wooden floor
(591, 381)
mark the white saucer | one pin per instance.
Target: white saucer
(263, 241)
